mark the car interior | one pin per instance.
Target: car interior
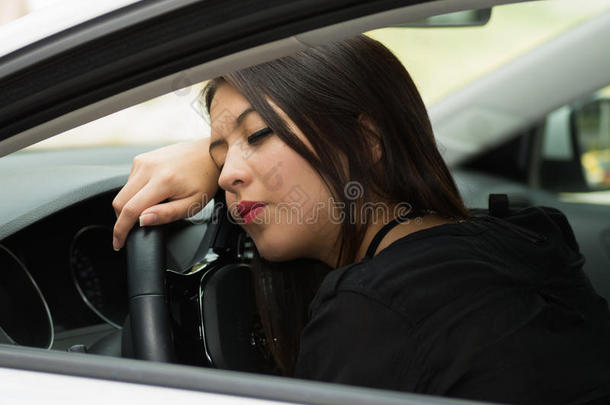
(183, 293)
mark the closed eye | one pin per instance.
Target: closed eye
(258, 135)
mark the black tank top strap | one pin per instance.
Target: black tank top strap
(387, 227)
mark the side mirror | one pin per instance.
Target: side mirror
(590, 125)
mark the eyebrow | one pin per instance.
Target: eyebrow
(238, 121)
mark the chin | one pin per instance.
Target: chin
(272, 255)
(275, 252)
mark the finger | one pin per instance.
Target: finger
(130, 189)
(170, 211)
(148, 196)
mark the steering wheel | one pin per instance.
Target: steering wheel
(225, 295)
(148, 311)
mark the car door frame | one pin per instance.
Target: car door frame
(54, 85)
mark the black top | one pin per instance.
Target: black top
(489, 309)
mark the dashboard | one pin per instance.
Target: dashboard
(62, 284)
(81, 280)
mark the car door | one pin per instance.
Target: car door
(133, 54)
(545, 164)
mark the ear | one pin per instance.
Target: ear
(373, 137)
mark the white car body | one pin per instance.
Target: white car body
(478, 117)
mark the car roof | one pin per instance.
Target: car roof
(47, 21)
(109, 63)
(520, 93)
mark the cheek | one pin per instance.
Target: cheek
(298, 224)
(301, 183)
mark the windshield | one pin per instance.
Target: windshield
(440, 60)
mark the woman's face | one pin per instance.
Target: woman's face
(294, 221)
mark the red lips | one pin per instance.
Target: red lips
(249, 210)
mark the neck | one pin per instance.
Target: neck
(399, 231)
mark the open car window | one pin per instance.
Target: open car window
(440, 60)
(57, 220)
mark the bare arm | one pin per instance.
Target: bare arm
(165, 185)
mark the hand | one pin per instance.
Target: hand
(165, 185)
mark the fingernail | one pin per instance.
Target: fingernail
(115, 244)
(148, 219)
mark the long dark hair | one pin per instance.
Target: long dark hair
(348, 98)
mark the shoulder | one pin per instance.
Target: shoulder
(355, 339)
(424, 263)
(422, 272)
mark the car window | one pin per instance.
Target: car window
(556, 139)
(592, 125)
(440, 60)
(577, 136)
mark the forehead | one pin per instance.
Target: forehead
(227, 97)
(230, 108)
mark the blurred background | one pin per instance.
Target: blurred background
(440, 61)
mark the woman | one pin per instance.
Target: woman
(329, 155)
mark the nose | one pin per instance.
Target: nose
(235, 174)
